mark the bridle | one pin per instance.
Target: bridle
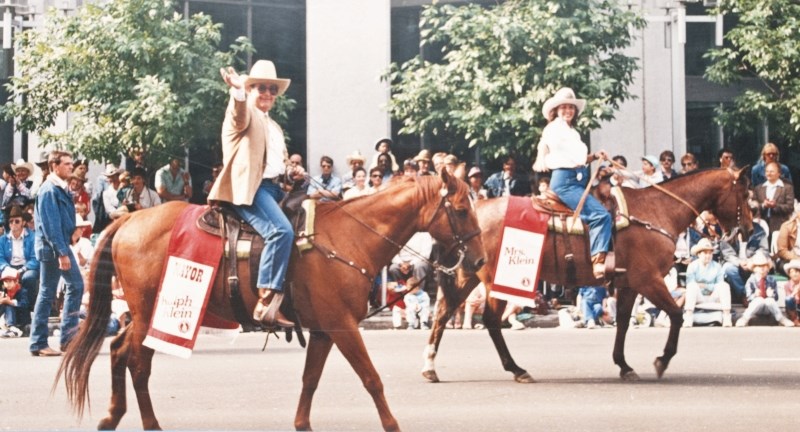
(459, 240)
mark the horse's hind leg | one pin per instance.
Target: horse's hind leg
(351, 345)
(119, 359)
(492, 315)
(626, 297)
(319, 346)
(140, 363)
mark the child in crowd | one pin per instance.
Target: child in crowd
(762, 293)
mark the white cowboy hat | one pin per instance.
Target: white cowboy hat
(356, 155)
(424, 155)
(759, 259)
(80, 222)
(562, 97)
(703, 245)
(111, 170)
(21, 164)
(263, 71)
(793, 264)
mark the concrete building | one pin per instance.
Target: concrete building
(335, 52)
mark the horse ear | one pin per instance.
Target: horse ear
(737, 173)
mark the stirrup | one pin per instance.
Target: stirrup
(267, 314)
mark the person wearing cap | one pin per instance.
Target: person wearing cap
(769, 153)
(562, 151)
(54, 216)
(792, 268)
(423, 160)
(354, 161)
(81, 246)
(762, 293)
(705, 284)
(173, 183)
(18, 257)
(384, 145)
(788, 240)
(9, 304)
(255, 162)
(475, 181)
(649, 175)
(18, 190)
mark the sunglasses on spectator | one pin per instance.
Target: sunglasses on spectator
(15, 221)
(770, 154)
(667, 160)
(687, 164)
(262, 88)
(375, 176)
(326, 165)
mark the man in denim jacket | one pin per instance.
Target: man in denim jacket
(54, 216)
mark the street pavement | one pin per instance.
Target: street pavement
(739, 379)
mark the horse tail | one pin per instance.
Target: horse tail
(83, 349)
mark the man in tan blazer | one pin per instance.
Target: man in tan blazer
(255, 162)
(775, 197)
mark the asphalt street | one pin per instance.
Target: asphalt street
(739, 379)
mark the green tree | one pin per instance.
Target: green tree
(499, 64)
(132, 73)
(763, 48)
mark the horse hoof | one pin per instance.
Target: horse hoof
(629, 376)
(431, 376)
(107, 423)
(660, 366)
(524, 378)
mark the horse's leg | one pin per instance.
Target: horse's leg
(662, 299)
(444, 311)
(319, 346)
(351, 345)
(140, 363)
(491, 318)
(119, 359)
(626, 297)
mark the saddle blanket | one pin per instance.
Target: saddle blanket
(190, 268)
(519, 260)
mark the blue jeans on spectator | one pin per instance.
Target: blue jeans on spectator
(267, 218)
(736, 278)
(73, 291)
(564, 182)
(592, 302)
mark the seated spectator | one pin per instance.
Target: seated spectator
(18, 259)
(208, 184)
(124, 185)
(775, 198)
(792, 268)
(678, 294)
(110, 199)
(762, 293)
(735, 255)
(354, 161)
(475, 180)
(726, 158)
(83, 210)
(138, 196)
(667, 159)
(510, 316)
(623, 177)
(423, 160)
(688, 163)
(376, 180)
(418, 304)
(78, 190)
(173, 183)
(769, 153)
(81, 247)
(359, 187)
(507, 182)
(705, 284)
(543, 186)
(788, 244)
(413, 258)
(591, 304)
(384, 146)
(410, 168)
(9, 304)
(475, 303)
(454, 167)
(385, 167)
(325, 187)
(649, 175)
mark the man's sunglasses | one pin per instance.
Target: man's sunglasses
(263, 88)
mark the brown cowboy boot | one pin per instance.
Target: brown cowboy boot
(268, 309)
(599, 265)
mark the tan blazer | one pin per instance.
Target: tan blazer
(244, 154)
(784, 199)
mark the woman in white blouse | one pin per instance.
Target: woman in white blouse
(562, 151)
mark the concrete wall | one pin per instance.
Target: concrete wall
(348, 48)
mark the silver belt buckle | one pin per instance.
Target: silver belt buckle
(579, 176)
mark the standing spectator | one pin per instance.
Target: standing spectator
(354, 161)
(788, 243)
(775, 198)
(649, 174)
(173, 183)
(111, 193)
(423, 160)
(101, 217)
(18, 187)
(769, 153)
(55, 222)
(77, 189)
(507, 182)
(475, 180)
(215, 170)
(326, 186)
(359, 187)
(688, 163)
(726, 158)
(667, 159)
(792, 268)
(384, 146)
(705, 284)
(18, 258)
(139, 196)
(762, 293)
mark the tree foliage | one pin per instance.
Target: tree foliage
(764, 47)
(132, 73)
(499, 65)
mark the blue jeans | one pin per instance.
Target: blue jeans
(73, 291)
(564, 182)
(592, 302)
(267, 218)
(736, 278)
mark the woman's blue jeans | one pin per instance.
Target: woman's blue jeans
(73, 291)
(564, 182)
(267, 218)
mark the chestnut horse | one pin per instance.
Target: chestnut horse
(330, 285)
(645, 249)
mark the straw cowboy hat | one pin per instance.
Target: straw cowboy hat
(424, 155)
(81, 176)
(21, 164)
(356, 156)
(562, 97)
(702, 245)
(759, 259)
(793, 264)
(112, 171)
(263, 71)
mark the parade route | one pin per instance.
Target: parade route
(738, 379)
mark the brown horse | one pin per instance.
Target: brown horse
(645, 249)
(330, 286)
